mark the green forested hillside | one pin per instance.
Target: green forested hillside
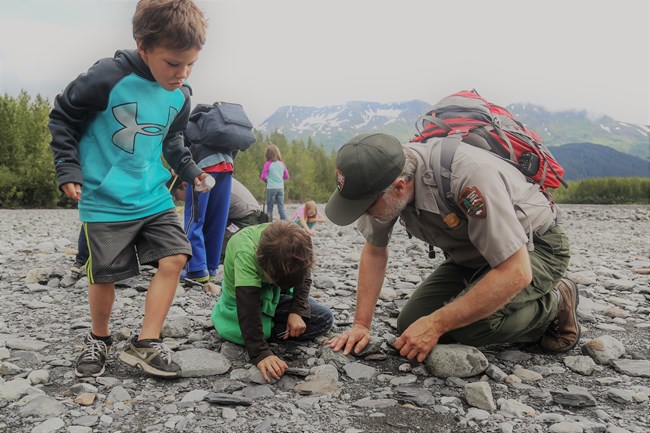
(587, 160)
(26, 166)
(27, 177)
(606, 190)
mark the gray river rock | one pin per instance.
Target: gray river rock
(603, 385)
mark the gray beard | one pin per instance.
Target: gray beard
(392, 208)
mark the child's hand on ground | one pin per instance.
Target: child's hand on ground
(295, 326)
(272, 364)
(72, 190)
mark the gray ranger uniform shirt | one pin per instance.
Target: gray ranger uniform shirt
(242, 202)
(502, 209)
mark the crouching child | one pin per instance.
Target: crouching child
(265, 293)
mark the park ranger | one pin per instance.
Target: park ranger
(506, 253)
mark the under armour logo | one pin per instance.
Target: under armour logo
(127, 116)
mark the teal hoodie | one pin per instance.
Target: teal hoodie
(109, 128)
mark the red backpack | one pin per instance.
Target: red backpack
(476, 121)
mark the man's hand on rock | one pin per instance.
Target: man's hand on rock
(418, 339)
(356, 337)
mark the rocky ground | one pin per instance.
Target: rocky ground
(602, 385)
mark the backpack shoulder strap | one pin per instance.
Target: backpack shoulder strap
(442, 157)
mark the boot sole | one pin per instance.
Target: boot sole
(139, 363)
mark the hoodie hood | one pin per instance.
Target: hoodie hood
(133, 61)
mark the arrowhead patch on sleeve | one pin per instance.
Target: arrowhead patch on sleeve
(471, 201)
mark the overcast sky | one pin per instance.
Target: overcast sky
(264, 54)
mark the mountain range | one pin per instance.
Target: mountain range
(332, 126)
(587, 160)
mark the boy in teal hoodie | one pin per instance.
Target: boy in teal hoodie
(109, 128)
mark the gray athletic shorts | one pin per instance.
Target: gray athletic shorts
(118, 248)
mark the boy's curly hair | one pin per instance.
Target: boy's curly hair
(285, 253)
(173, 24)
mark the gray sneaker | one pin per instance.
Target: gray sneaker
(92, 361)
(152, 356)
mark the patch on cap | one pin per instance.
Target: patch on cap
(340, 180)
(471, 201)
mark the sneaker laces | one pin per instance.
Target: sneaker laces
(164, 351)
(94, 350)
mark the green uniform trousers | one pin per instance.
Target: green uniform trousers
(523, 320)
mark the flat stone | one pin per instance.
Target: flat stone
(201, 362)
(632, 367)
(259, 391)
(32, 345)
(573, 399)
(295, 371)
(39, 376)
(177, 327)
(359, 371)
(14, 389)
(565, 427)
(227, 399)
(514, 356)
(380, 403)
(50, 425)
(620, 395)
(85, 399)
(516, 408)
(417, 396)
(192, 397)
(476, 414)
(580, 364)
(42, 406)
(479, 394)
(318, 386)
(118, 394)
(527, 375)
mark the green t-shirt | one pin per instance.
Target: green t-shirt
(240, 269)
(239, 264)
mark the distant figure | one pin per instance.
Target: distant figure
(206, 213)
(266, 293)
(274, 174)
(244, 211)
(307, 216)
(109, 128)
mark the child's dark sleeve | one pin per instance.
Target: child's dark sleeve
(300, 303)
(177, 155)
(249, 314)
(73, 108)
